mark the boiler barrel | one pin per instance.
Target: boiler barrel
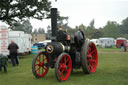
(56, 48)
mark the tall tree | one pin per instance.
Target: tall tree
(14, 10)
(25, 26)
(92, 24)
(124, 26)
(18, 26)
(41, 31)
(96, 33)
(35, 31)
(111, 29)
(82, 27)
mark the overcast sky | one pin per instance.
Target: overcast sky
(83, 11)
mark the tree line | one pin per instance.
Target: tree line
(111, 29)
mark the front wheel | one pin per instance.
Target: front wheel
(40, 65)
(63, 67)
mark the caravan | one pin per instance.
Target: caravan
(106, 42)
(19, 39)
(119, 41)
(22, 40)
(95, 41)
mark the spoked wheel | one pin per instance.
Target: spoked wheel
(40, 65)
(89, 58)
(63, 67)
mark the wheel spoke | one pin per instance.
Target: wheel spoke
(61, 73)
(37, 59)
(36, 64)
(60, 64)
(44, 58)
(93, 61)
(88, 56)
(60, 68)
(66, 70)
(92, 52)
(37, 69)
(90, 67)
(43, 70)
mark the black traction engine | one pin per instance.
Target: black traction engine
(65, 53)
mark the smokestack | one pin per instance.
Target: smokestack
(54, 22)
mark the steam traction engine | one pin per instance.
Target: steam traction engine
(65, 53)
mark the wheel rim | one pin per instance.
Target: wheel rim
(41, 64)
(92, 57)
(64, 67)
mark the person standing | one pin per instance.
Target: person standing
(123, 47)
(13, 47)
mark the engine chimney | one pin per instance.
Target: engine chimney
(54, 22)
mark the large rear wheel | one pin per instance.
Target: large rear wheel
(89, 57)
(63, 67)
(40, 65)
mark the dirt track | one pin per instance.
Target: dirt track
(112, 52)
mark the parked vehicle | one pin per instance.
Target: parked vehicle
(65, 54)
(95, 41)
(39, 45)
(106, 42)
(45, 42)
(20, 38)
(119, 41)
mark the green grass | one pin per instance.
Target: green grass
(112, 70)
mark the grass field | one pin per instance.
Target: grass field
(112, 70)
